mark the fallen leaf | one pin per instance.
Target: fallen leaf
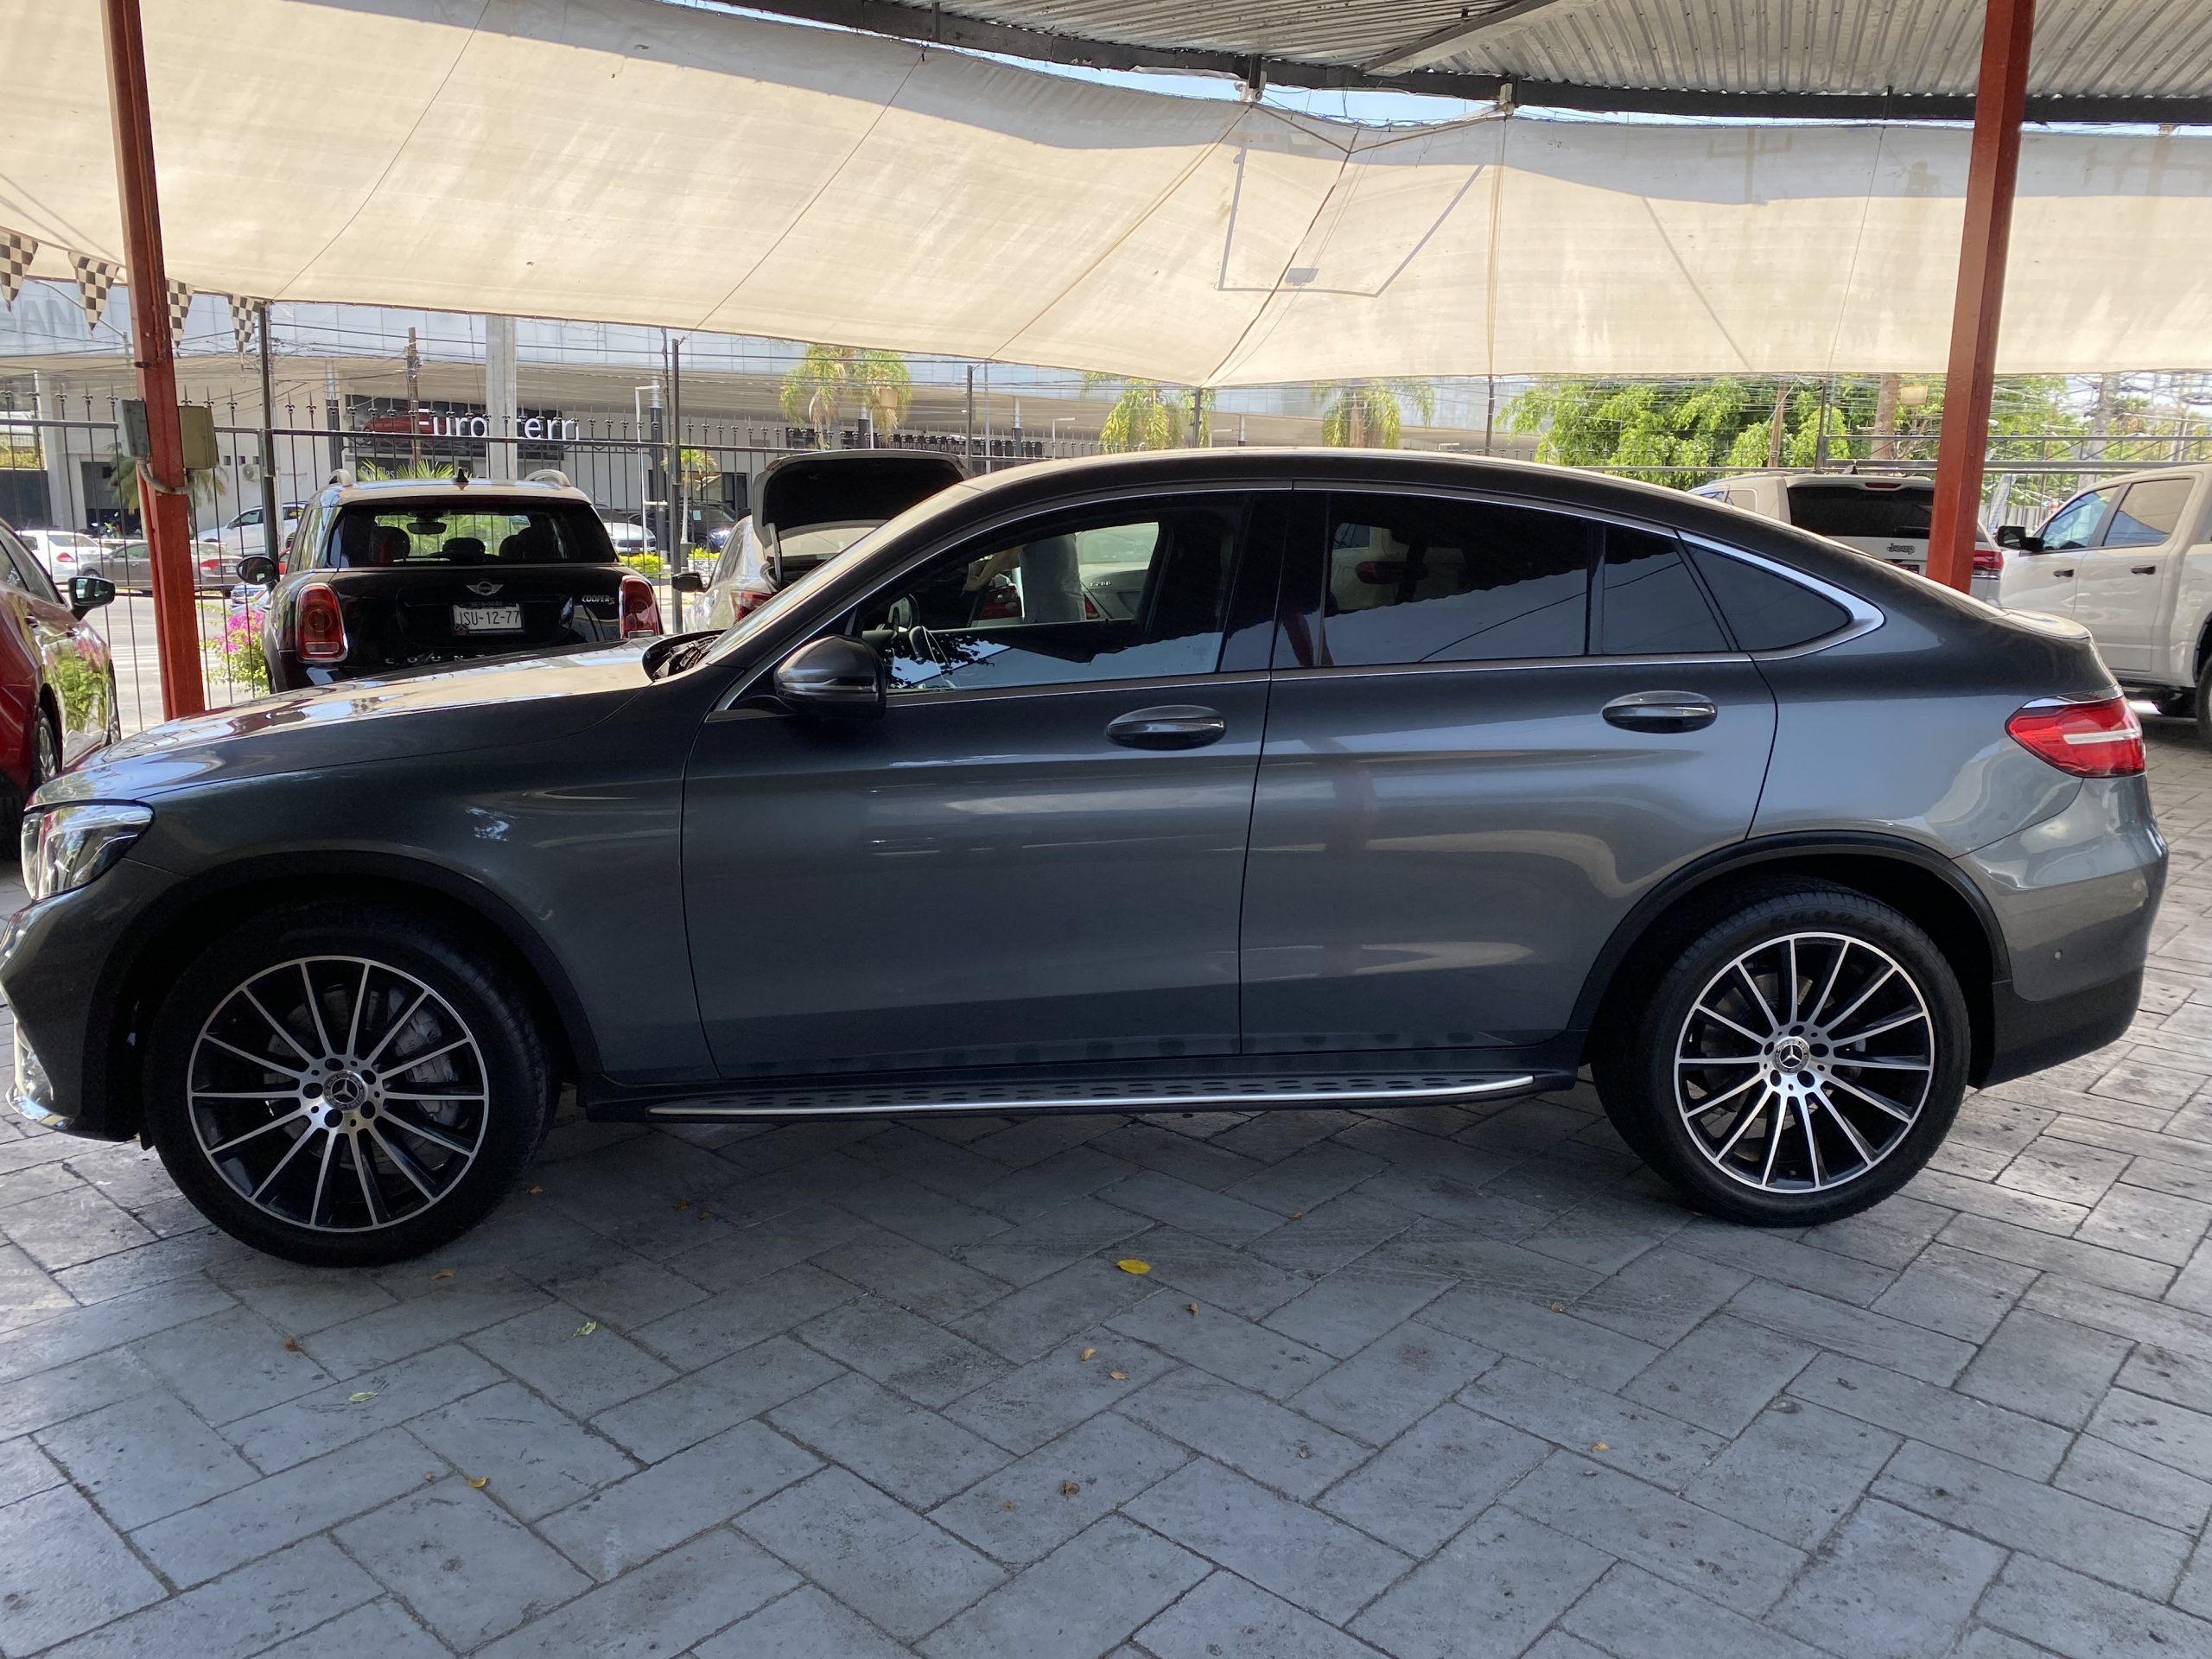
(683, 1204)
(356, 1399)
(1558, 1307)
(481, 1482)
(1008, 1504)
(1130, 1264)
(1088, 1353)
(1119, 1376)
(291, 1344)
(1295, 1214)
(587, 1327)
(1069, 1488)
(1599, 1446)
(430, 1474)
(1305, 1450)
(535, 1190)
(1191, 1308)
(443, 1272)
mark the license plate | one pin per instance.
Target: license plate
(487, 619)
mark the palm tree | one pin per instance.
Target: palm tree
(122, 473)
(1147, 416)
(827, 377)
(1371, 414)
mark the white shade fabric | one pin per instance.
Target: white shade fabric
(629, 160)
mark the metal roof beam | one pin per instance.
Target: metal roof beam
(1443, 43)
(932, 26)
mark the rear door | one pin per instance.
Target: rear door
(2123, 591)
(1492, 729)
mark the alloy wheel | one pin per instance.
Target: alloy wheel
(338, 1093)
(1804, 1063)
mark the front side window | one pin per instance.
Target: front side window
(473, 532)
(2150, 512)
(1410, 579)
(1110, 595)
(2075, 524)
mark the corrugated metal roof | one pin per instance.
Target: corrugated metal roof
(2100, 50)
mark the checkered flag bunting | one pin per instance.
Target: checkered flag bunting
(179, 306)
(244, 313)
(94, 277)
(17, 252)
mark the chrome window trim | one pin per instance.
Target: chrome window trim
(1864, 616)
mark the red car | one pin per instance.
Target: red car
(57, 683)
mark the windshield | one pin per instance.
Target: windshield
(447, 533)
(1849, 510)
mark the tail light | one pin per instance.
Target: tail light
(212, 567)
(318, 626)
(2090, 739)
(749, 594)
(640, 610)
(63, 556)
(1988, 562)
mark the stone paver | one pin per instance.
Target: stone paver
(1403, 1382)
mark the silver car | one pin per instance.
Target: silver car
(1407, 779)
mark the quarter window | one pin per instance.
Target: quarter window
(1416, 580)
(1649, 604)
(1765, 611)
(1101, 596)
(2149, 513)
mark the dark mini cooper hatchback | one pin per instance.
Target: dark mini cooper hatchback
(1228, 779)
(402, 573)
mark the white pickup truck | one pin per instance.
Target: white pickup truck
(2131, 560)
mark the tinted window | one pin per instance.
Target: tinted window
(1766, 612)
(1650, 603)
(2075, 524)
(24, 571)
(1855, 510)
(1412, 579)
(2149, 513)
(1067, 601)
(446, 533)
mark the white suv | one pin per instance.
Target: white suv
(2131, 560)
(1883, 515)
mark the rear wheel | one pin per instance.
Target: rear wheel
(2203, 702)
(1797, 1059)
(344, 1084)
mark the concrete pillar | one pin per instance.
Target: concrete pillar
(63, 511)
(501, 458)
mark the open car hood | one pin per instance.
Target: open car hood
(848, 486)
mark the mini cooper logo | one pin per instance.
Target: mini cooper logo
(484, 589)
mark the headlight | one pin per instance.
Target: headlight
(66, 846)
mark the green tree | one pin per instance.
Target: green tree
(1372, 413)
(827, 378)
(1149, 415)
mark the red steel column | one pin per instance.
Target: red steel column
(2008, 27)
(163, 506)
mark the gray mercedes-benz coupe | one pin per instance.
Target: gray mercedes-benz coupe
(1235, 779)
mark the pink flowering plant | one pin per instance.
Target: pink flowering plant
(234, 654)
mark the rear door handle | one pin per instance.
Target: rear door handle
(1662, 711)
(1172, 725)
(2062, 572)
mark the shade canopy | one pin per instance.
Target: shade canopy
(629, 160)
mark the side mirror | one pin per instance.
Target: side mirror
(835, 677)
(2017, 537)
(258, 569)
(90, 593)
(688, 581)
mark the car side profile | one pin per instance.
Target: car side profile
(57, 682)
(402, 573)
(1377, 777)
(2130, 559)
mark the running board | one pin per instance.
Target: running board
(1123, 1095)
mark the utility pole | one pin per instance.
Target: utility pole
(268, 522)
(679, 506)
(415, 401)
(1774, 431)
(968, 443)
(164, 489)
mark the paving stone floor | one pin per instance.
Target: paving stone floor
(1419, 1382)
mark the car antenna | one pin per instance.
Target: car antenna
(459, 476)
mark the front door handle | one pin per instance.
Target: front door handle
(2142, 570)
(1662, 711)
(2062, 572)
(1172, 725)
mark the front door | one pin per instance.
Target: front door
(2046, 579)
(1034, 857)
(1493, 729)
(48, 648)
(2122, 594)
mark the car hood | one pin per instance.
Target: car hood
(501, 704)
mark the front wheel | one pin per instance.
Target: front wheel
(344, 1084)
(1796, 1060)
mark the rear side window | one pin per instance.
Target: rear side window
(1766, 612)
(450, 533)
(1411, 579)
(2149, 513)
(1648, 603)
(1849, 510)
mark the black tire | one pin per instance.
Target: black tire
(2175, 705)
(2203, 700)
(1707, 1002)
(423, 1150)
(46, 762)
